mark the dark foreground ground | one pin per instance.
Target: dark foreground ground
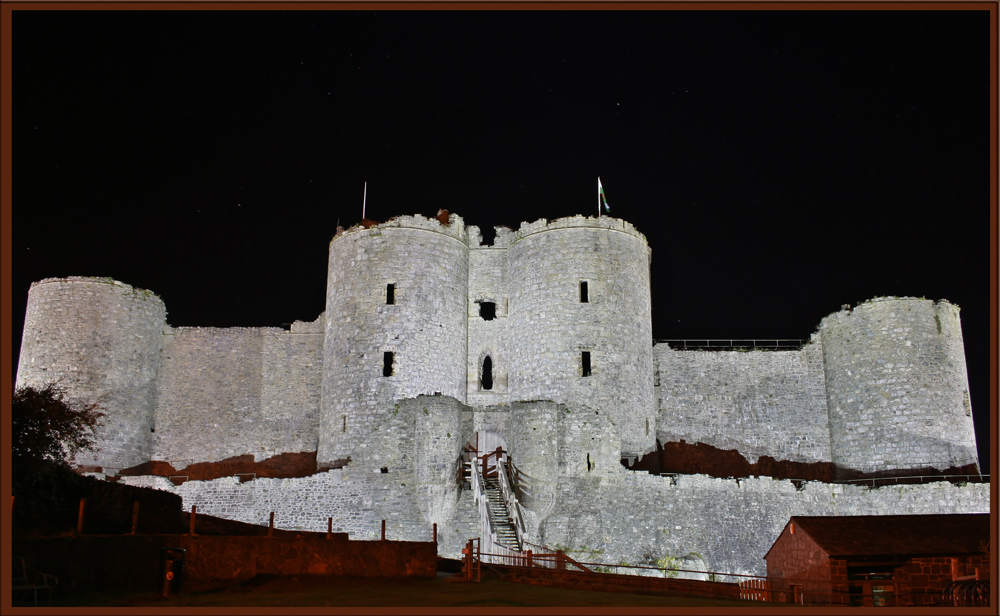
(269, 591)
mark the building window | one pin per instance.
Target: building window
(584, 292)
(585, 363)
(488, 310)
(390, 293)
(387, 358)
(487, 373)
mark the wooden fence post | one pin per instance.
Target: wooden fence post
(467, 560)
(329, 527)
(194, 513)
(383, 530)
(79, 518)
(435, 529)
(135, 516)
(270, 526)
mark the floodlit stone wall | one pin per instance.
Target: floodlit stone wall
(728, 524)
(424, 328)
(552, 327)
(877, 388)
(756, 402)
(99, 339)
(723, 525)
(488, 282)
(235, 391)
(897, 386)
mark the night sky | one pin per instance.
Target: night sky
(780, 164)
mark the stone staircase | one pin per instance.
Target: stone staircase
(500, 517)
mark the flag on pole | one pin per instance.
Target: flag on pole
(601, 199)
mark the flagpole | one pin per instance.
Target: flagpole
(364, 201)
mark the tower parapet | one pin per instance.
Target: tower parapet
(897, 386)
(100, 339)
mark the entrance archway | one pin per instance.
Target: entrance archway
(478, 445)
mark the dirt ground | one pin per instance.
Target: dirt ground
(271, 591)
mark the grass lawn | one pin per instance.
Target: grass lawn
(270, 591)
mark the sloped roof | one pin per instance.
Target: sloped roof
(900, 535)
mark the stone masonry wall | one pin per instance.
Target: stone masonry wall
(99, 339)
(424, 328)
(729, 524)
(235, 391)
(292, 376)
(209, 394)
(897, 386)
(551, 327)
(488, 283)
(756, 402)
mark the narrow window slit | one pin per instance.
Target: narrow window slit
(584, 292)
(390, 293)
(487, 373)
(585, 360)
(387, 358)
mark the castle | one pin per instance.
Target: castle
(541, 343)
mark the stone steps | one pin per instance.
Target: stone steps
(500, 516)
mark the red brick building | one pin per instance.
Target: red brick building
(895, 560)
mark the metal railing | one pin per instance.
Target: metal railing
(967, 593)
(730, 344)
(904, 479)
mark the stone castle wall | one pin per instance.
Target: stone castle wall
(424, 328)
(551, 327)
(877, 388)
(488, 282)
(897, 386)
(727, 524)
(723, 525)
(100, 340)
(756, 402)
(235, 391)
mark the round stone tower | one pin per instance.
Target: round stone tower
(897, 386)
(100, 340)
(579, 324)
(396, 322)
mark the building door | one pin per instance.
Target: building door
(482, 443)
